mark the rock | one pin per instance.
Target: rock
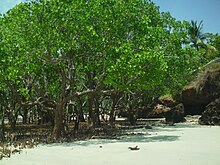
(172, 111)
(194, 102)
(211, 116)
(202, 91)
(193, 119)
(158, 111)
(168, 101)
(175, 115)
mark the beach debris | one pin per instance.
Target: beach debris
(134, 148)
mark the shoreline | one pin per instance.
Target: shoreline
(121, 129)
(182, 144)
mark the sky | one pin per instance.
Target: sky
(206, 10)
(8, 4)
(196, 10)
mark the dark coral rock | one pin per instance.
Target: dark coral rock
(202, 91)
(176, 114)
(211, 116)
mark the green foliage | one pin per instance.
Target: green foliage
(56, 44)
(214, 41)
(53, 52)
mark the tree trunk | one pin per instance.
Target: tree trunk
(90, 109)
(2, 128)
(130, 110)
(58, 121)
(12, 120)
(91, 85)
(97, 113)
(114, 100)
(25, 116)
(112, 111)
(80, 115)
(131, 117)
(75, 126)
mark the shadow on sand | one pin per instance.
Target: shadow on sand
(121, 139)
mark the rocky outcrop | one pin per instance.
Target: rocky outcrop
(168, 108)
(205, 89)
(193, 101)
(158, 111)
(176, 114)
(211, 116)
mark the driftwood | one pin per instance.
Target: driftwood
(134, 148)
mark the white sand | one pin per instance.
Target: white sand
(179, 145)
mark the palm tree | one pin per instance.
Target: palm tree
(197, 38)
(195, 34)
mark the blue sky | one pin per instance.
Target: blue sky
(7, 4)
(197, 10)
(206, 10)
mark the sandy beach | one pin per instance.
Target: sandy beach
(182, 144)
